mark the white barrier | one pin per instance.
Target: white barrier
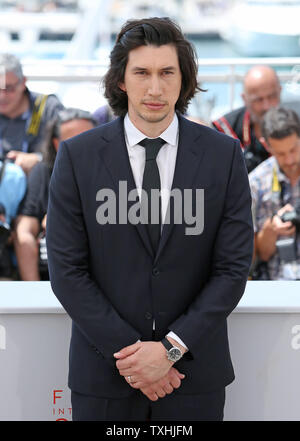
(264, 332)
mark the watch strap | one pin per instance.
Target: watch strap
(167, 344)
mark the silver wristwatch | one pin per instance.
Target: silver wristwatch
(173, 352)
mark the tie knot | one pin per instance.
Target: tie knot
(152, 147)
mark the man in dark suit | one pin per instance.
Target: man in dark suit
(149, 295)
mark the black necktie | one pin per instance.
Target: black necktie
(151, 181)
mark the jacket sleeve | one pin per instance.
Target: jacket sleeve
(230, 265)
(68, 259)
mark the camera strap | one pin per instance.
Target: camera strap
(37, 113)
(277, 196)
(280, 195)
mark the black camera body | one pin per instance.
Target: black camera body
(292, 216)
(287, 247)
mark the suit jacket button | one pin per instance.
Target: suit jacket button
(148, 315)
(155, 271)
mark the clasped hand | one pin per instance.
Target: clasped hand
(148, 369)
(283, 228)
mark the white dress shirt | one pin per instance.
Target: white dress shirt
(166, 160)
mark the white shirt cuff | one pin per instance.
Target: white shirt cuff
(175, 337)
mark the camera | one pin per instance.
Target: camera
(292, 216)
(287, 247)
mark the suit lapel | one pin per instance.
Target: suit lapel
(115, 157)
(189, 158)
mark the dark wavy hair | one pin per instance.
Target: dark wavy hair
(150, 31)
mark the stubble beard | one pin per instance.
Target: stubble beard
(150, 117)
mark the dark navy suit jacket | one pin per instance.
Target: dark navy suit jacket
(113, 286)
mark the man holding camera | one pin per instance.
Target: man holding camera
(275, 187)
(23, 115)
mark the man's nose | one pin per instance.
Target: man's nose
(154, 86)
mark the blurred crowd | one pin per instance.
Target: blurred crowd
(32, 126)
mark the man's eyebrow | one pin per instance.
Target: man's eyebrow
(145, 68)
(169, 68)
(138, 68)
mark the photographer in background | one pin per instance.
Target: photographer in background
(30, 244)
(261, 92)
(275, 187)
(23, 115)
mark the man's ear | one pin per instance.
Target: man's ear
(122, 87)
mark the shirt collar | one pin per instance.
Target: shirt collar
(134, 135)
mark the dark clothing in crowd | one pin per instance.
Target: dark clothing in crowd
(36, 200)
(35, 204)
(237, 124)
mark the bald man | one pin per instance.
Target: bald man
(261, 91)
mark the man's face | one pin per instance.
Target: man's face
(12, 96)
(152, 82)
(287, 154)
(261, 97)
(72, 128)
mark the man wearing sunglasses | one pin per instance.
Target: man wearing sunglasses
(23, 115)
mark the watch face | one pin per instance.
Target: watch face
(174, 354)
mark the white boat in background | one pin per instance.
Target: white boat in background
(265, 28)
